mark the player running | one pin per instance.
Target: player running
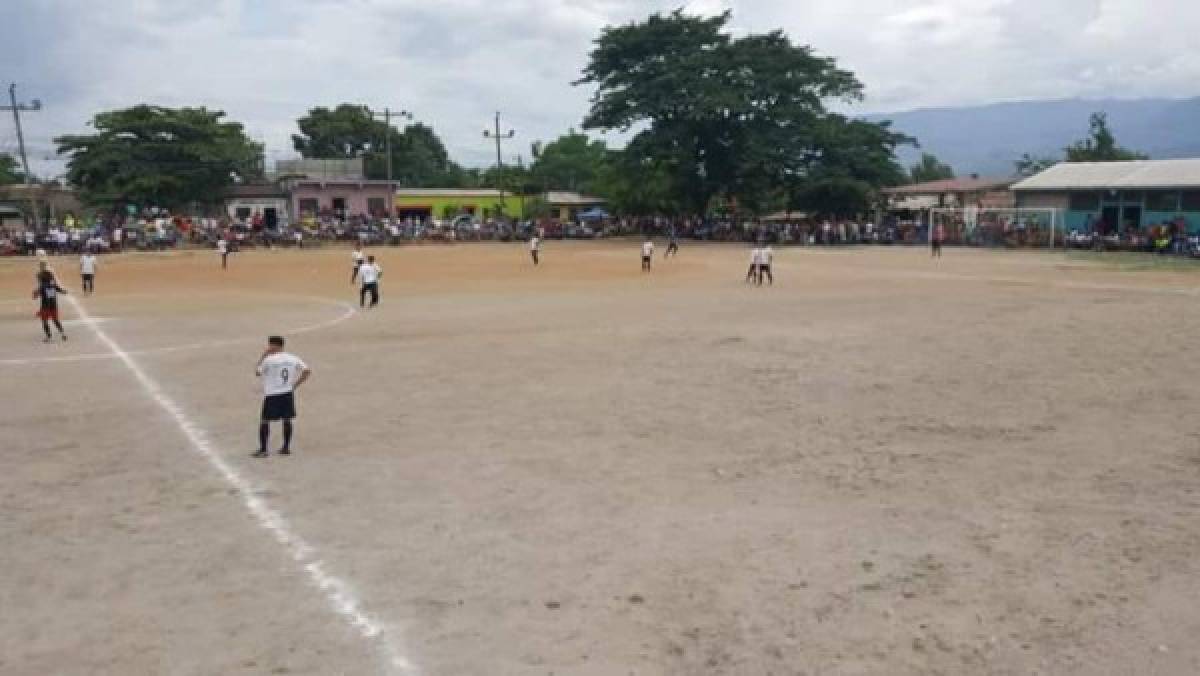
(755, 261)
(369, 273)
(647, 254)
(672, 245)
(47, 292)
(87, 269)
(535, 245)
(282, 373)
(766, 256)
(357, 257)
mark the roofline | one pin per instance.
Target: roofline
(1094, 188)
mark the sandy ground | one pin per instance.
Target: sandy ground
(882, 465)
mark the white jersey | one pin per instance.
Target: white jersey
(222, 247)
(369, 273)
(767, 256)
(279, 372)
(755, 256)
(358, 257)
(87, 264)
(647, 249)
(534, 243)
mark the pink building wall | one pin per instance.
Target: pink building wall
(357, 196)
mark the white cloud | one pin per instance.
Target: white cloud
(454, 62)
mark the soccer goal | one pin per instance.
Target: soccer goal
(1000, 227)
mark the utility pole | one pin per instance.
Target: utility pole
(16, 109)
(387, 116)
(499, 158)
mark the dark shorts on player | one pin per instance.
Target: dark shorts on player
(279, 407)
(47, 314)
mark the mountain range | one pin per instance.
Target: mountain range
(988, 139)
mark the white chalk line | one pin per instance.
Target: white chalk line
(338, 593)
(348, 311)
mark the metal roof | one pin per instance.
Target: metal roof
(1139, 174)
(562, 197)
(951, 185)
(450, 192)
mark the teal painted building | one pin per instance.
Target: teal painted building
(1117, 197)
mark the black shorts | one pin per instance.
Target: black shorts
(279, 407)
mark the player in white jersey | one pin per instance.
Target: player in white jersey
(223, 252)
(87, 268)
(535, 245)
(766, 256)
(755, 261)
(357, 257)
(369, 273)
(647, 254)
(282, 373)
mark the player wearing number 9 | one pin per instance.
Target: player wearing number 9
(278, 371)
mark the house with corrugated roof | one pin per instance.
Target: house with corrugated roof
(1117, 197)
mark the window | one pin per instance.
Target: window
(1190, 201)
(242, 213)
(377, 206)
(1162, 200)
(308, 206)
(339, 206)
(1084, 201)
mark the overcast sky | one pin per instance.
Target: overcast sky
(453, 63)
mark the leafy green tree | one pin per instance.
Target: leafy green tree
(836, 197)
(8, 170)
(635, 185)
(1100, 145)
(722, 118)
(161, 156)
(570, 162)
(1030, 165)
(419, 157)
(929, 169)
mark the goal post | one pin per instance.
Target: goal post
(1000, 226)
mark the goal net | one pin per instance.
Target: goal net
(1000, 227)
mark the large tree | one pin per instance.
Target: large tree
(8, 170)
(1100, 145)
(930, 168)
(348, 131)
(151, 155)
(570, 162)
(724, 118)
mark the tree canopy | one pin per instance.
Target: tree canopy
(161, 156)
(1100, 145)
(8, 170)
(740, 120)
(570, 162)
(1031, 165)
(348, 131)
(929, 168)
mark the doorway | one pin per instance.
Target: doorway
(1110, 218)
(1131, 218)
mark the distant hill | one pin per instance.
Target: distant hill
(987, 139)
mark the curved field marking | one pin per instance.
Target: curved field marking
(338, 593)
(348, 311)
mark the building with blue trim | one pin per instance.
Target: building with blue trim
(1117, 197)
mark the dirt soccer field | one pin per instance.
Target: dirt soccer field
(884, 464)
